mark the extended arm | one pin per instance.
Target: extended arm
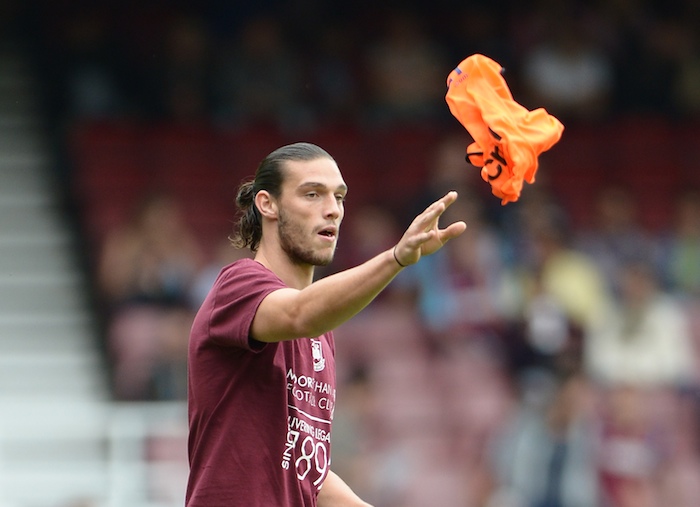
(289, 313)
(335, 493)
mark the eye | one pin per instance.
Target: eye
(340, 198)
(312, 195)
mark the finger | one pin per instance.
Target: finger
(424, 226)
(440, 204)
(452, 231)
(429, 217)
(438, 207)
(449, 198)
(434, 212)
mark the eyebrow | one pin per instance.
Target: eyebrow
(317, 185)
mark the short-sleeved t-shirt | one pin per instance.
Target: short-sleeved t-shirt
(260, 414)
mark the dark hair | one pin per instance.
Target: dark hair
(269, 176)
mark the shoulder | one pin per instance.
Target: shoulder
(233, 301)
(246, 269)
(245, 279)
(244, 265)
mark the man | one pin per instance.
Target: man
(261, 356)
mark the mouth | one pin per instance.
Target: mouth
(328, 233)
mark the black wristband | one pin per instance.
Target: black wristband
(397, 259)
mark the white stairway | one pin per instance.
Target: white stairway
(51, 386)
(62, 442)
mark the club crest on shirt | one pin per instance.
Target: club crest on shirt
(317, 352)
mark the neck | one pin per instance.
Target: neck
(296, 276)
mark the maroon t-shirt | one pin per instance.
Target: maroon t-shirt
(260, 414)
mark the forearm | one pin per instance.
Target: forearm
(326, 303)
(335, 299)
(335, 493)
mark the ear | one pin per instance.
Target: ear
(266, 204)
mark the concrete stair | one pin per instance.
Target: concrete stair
(52, 386)
(63, 441)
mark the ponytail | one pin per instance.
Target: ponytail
(249, 223)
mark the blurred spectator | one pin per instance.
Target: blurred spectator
(617, 236)
(224, 255)
(170, 335)
(631, 448)
(544, 458)
(352, 430)
(647, 60)
(518, 222)
(644, 338)
(90, 62)
(335, 76)
(556, 294)
(184, 73)
(152, 258)
(686, 88)
(406, 72)
(681, 263)
(681, 259)
(145, 273)
(259, 79)
(566, 73)
(679, 484)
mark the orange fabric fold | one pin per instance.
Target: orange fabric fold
(508, 138)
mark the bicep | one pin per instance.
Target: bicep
(276, 318)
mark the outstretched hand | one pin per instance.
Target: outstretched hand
(423, 236)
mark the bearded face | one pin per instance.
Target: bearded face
(308, 212)
(297, 242)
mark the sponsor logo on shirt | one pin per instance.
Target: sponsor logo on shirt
(317, 351)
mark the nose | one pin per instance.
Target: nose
(333, 208)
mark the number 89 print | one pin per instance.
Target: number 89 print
(313, 455)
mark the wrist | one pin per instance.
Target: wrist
(397, 259)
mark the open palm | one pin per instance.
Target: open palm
(424, 236)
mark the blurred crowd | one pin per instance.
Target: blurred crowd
(531, 362)
(300, 64)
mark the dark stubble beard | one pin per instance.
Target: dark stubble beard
(290, 237)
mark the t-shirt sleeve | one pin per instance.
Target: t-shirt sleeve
(236, 297)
